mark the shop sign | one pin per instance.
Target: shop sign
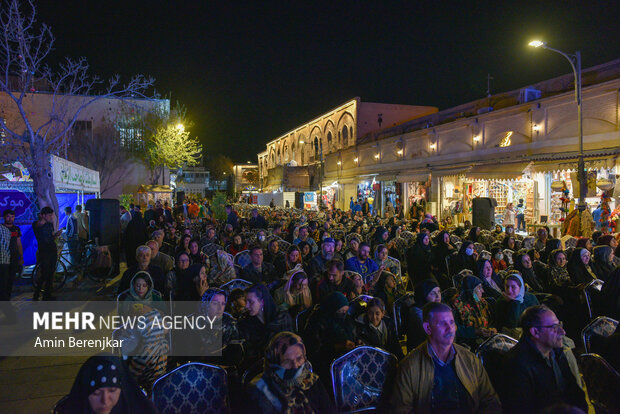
(71, 176)
(14, 200)
(310, 200)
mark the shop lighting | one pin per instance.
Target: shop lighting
(433, 146)
(339, 163)
(377, 156)
(476, 138)
(399, 152)
(536, 127)
(355, 160)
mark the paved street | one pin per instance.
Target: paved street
(34, 384)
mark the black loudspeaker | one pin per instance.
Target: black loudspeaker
(180, 197)
(299, 200)
(104, 220)
(483, 212)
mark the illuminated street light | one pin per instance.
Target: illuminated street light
(181, 127)
(575, 64)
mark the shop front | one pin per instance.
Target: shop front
(369, 189)
(415, 189)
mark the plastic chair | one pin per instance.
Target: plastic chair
(192, 388)
(235, 284)
(352, 235)
(602, 382)
(498, 343)
(301, 319)
(359, 305)
(596, 284)
(362, 378)
(211, 248)
(242, 259)
(601, 326)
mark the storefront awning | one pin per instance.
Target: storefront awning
(413, 177)
(147, 188)
(446, 172)
(498, 171)
(385, 177)
(571, 164)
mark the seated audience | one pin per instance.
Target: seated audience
(540, 371)
(378, 330)
(510, 307)
(440, 376)
(472, 313)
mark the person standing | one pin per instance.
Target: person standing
(82, 222)
(17, 251)
(6, 278)
(520, 210)
(47, 253)
(71, 235)
(509, 215)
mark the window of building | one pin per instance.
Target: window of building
(316, 147)
(345, 136)
(329, 140)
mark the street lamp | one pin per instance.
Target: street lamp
(575, 63)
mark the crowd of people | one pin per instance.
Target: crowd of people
(321, 283)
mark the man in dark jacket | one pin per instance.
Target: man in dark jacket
(318, 264)
(258, 271)
(539, 371)
(143, 259)
(257, 221)
(232, 218)
(334, 281)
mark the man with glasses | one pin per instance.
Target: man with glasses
(540, 371)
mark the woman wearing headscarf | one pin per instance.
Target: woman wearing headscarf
(491, 282)
(558, 277)
(295, 295)
(440, 250)
(420, 259)
(261, 322)
(378, 330)
(497, 259)
(472, 313)
(238, 245)
(103, 385)
(287, 384)
(195, 255)
(508, 243)
(474, 232)
(550, 245)
(191, 283)
(426, 291)
(523, 263)
(579, 267)
(140, 292)
(183, 246)
(330, 332)
(214, 342)
(135, 235)
(383, 260)
(514, 302)
(386, 289)
(603, 263)
(289, 261)
(585, 243)
(381, 236)
(465, 259)
(360, 288)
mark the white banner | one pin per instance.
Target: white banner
(71, 176)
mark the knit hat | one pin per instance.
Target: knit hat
(422, 290)
(105, 374)
(333, 302)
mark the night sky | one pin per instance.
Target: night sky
(251, 72)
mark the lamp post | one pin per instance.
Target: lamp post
(575, 63)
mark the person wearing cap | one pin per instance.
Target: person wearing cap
(317, 265)
(103, 385)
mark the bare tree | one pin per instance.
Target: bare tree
(24, 47)
(101, 150)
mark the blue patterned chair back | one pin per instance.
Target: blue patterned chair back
(235, 284)
(352, 235)
(283, 245)
(479, 247)
(401, 305)
(499, 343)
(242, 259)
(193, 388)
(407, 236)
(528, 242)
(590, 292)
(602, 382)
(401, 245)
(362, 378)
(508, 255)
(454, 239)
(302, 319)
(211, 248)
(601, 326)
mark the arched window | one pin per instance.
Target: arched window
(345, 136)
(316, 147)
(279, 158)
(351, 133)
(329, 140)
(285, 152)
(293, 151)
